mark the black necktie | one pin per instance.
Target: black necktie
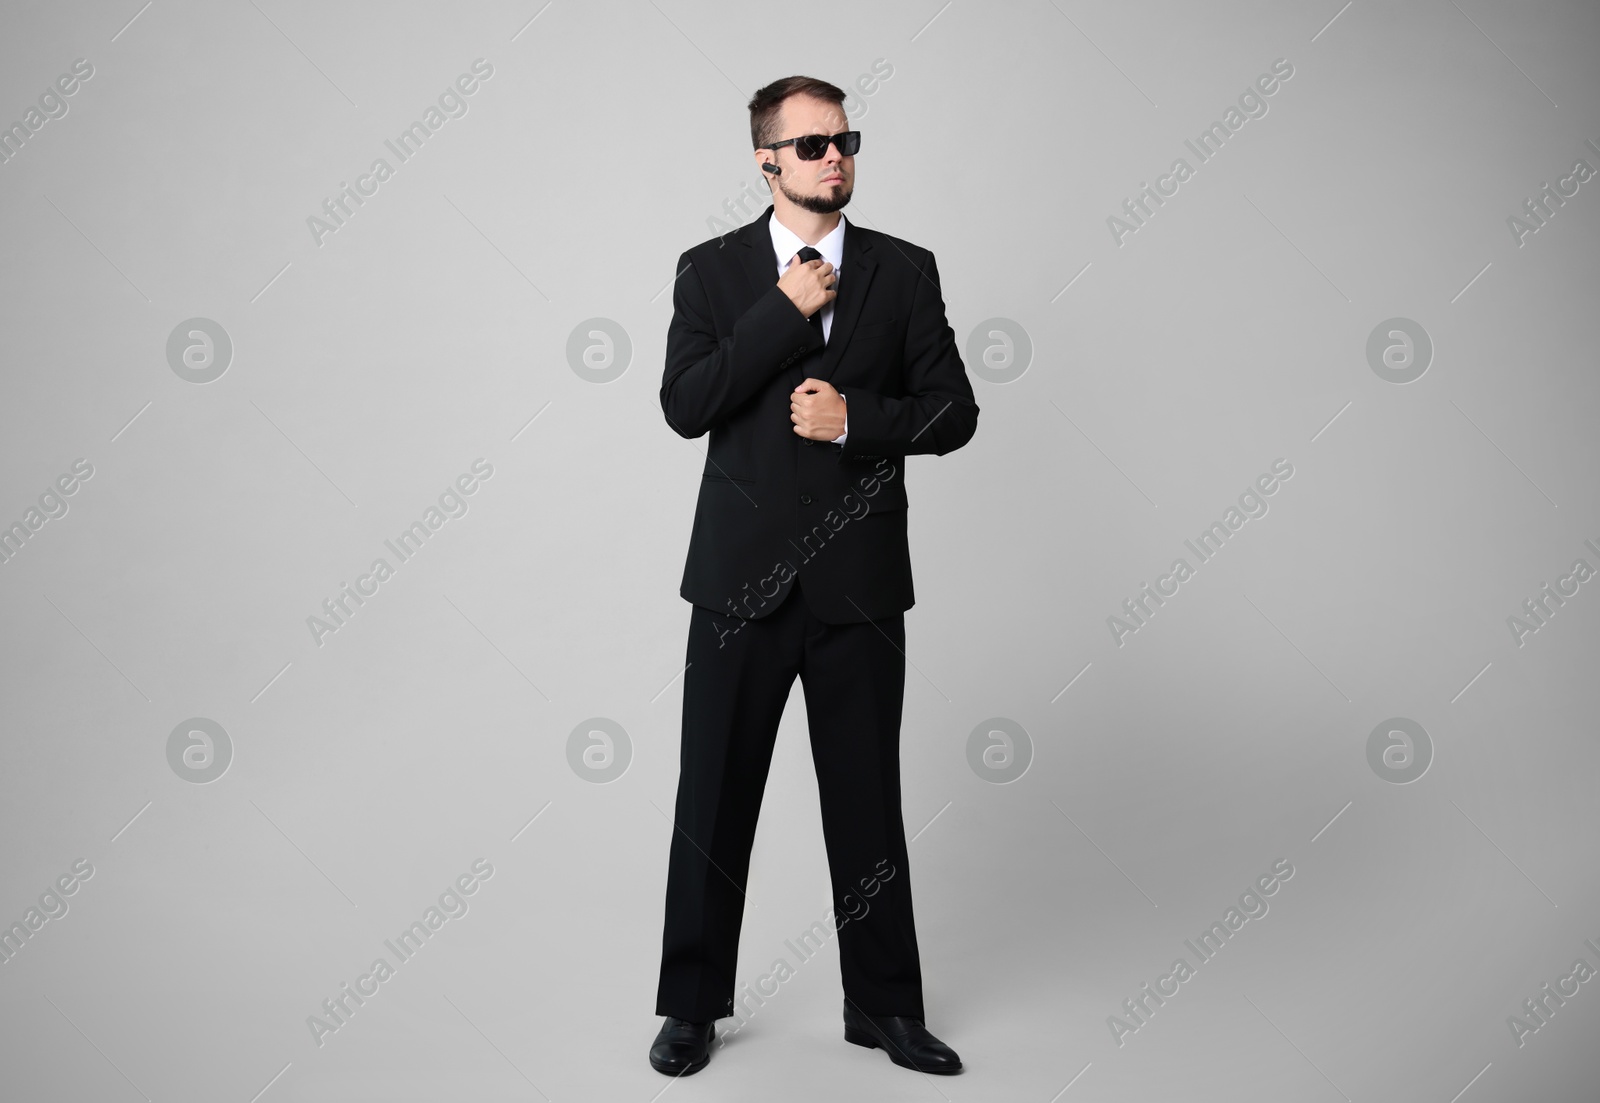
(807, 253)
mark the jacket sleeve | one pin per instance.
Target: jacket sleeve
(707, 379)
(938, 413)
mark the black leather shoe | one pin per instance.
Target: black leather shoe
(906, 1040)
(682, 1047)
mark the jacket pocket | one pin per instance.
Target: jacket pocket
(876, 329)
(720, 477)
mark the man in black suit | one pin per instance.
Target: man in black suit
(817, 355)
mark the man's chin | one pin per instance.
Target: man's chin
(826, 203)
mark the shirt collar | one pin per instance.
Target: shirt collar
(786, 243)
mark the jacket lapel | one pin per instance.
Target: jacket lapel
(755, 254)
(855, 278)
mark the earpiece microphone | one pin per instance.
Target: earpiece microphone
(767, 166)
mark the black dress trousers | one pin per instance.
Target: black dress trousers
(739, 676)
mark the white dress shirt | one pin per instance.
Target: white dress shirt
(785, 244)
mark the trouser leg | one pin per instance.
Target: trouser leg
(737, 681)
(854, 681)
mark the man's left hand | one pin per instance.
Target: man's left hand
(817, 410)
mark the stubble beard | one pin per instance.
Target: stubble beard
(835, 197)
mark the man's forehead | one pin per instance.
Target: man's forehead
(812, 111)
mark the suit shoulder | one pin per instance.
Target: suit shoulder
(720, 246)
(896, 253)
(888, 242)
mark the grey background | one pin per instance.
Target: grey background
(432, 729)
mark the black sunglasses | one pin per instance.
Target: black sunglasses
(813, 146)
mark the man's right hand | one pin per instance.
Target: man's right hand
(809, 285)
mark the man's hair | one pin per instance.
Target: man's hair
(768, 101)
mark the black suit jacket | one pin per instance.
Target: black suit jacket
(773, 504)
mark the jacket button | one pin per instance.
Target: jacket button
(809, 441)
(805, 499)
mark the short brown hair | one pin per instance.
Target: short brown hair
(768, 101)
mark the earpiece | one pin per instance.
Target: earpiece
(767, 166)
